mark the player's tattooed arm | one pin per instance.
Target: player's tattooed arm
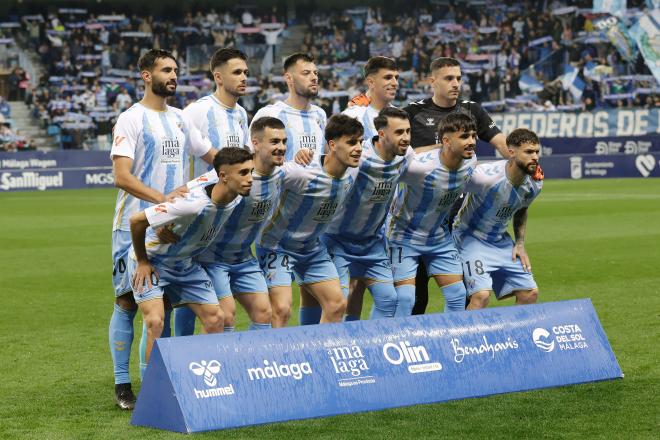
(304, 156)
(145, 272)
(499, 142)
(519, 226)
(124, 179)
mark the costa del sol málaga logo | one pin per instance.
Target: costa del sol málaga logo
(208, 370)
(540, 336)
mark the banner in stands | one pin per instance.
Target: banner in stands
(206, 382)
(35, 170)
(604, 123)
(601, 146)
(594, 166)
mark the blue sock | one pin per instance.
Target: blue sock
(349, 318)
(167, 325)
(229, 328)
(259, 326)
(385, 296)
(455, 295)
(405, 300)
(310, 315)
(121, 339)
(184, 321)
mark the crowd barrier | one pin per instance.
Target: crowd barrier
(208, 382)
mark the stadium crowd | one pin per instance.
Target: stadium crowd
(513, 58)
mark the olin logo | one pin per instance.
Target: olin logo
(416, 357)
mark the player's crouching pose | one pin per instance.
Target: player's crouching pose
(169, 269)
(419, 219)
(290, 242)
(499, 191)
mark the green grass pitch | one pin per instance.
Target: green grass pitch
(589, 238)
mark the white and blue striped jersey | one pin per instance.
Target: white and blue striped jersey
(195, 218)
(221, 125)
(233, 244)
(423, 202)
(309, 198)
(304, 128)
(492, 201)
(362, 215)
(366, 116)
(160, 145)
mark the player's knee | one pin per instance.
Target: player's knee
(126, 302)
(155, 324)
(527, 297)
(281, 310)
(261, 313)
(213, 322)
(480, 299)
(335, 306)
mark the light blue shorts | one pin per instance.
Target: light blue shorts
(279, 267)
(488, 266)
(121, 243)
(188, 286)
(238, 278)
(439, 259)
(365, 259)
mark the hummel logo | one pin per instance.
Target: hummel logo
(207, 370)
(430, 121)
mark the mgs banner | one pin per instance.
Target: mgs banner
(207, 382)
(37, 170)
(604, 123)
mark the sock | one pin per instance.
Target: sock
(184, 321)
(121, 339)
(229, 328)
(259, 326)
(421, 289)
(167, 325)
(455, 295)
(385, 296)
(310, 315)
(348, 318)
(405, 300)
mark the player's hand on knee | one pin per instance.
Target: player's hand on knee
(304, 156)
(177, 193)
(144, 274)
(167, 235)
(520, 252)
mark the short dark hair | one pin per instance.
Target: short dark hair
(148, 59)
(230, 156)
(380, 121)
(292, 59)
(221, 56)
(259, 125)
(342, 125)
(374, 64)
(441, 62)
(456, 122)
(521, 136)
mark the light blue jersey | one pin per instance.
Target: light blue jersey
(232, 245)
(366, 116)
(419, 215)
(309, 198)
(304, 128)
(195, 219)
(361, 217)
(492, 201)
(223, 126)
(159, 143)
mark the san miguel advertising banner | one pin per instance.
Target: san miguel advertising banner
(35, 170)
(207, 382)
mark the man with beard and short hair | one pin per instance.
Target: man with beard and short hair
(498, 192)
(305, 123)
(151, 146)
(228, 260)
(218, 116)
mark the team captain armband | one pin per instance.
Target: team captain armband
(360, 100)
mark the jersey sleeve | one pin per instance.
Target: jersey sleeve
(246, 131)
(170, 212)
(416, 169)
(294, 177)
(125, 136)
(194, 114)
(486, 127)
(198, 144)
(203, 180)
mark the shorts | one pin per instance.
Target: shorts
(235, 279)
(440, 259)
(188, 286)
(121, 243)
(280, 267)
(488, 266)
(365, 259)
